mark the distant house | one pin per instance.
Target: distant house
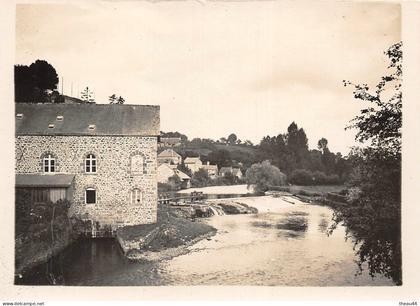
(165, 171)
(169, 142)
(193, 163)
(224, 170)
(237, 173)
(100, 157)
(212, 170)
(234, 171)
(169, 156)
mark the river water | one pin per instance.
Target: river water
(285, 244)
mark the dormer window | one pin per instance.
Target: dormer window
(60, 118)
(19, 116)
(51, 126)
(91, 127)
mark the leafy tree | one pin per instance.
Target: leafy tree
(33, 83)
(183, 137)
(232, 138)
(112, 99)
(200, 178)
(222, 158)
(323, 144)
(181, 167)
(87, 95)
(120, 100)
(263, 176)
(297, 146)
(373, 217)
(175, 182)
(380, 123)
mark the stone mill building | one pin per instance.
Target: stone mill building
(101, 157)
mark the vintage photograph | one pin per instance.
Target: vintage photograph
(169, 143)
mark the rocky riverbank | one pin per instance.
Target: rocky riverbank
(177, 228)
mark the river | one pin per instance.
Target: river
(284, 244)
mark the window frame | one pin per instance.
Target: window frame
(136, 196)
(91, 159)
(136, 172)
(49, 164)
(86, 196)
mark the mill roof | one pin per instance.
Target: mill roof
(87, 119)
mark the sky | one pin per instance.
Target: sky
(215, 68)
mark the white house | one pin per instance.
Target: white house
(193, 163)
(166, 171)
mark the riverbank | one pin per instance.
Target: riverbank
(172, 232)
(42, 232)
(177, 228)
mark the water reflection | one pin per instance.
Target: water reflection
(285, 244)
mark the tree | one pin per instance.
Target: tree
(200, 178)
(323, 144)
(373, 216)
(222, 158)
(112, 99)
(232, 138)
(380, 123)
(175, 182)
(263, 176)
(87, 95)
(120, 100)
(33, 83)
(181, 167)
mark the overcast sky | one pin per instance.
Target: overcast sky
(219, 67)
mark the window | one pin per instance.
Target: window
(60, 118)
(136, 196)
(137, 164)
(90, 196)
(90, 164)
(49, 163)
(91, 127)
(51, 126)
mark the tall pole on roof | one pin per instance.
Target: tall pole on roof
(72, 88)
(62, 84)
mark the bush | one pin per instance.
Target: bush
(302, 177)
(306, 178)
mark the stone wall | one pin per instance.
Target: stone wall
(113, 181)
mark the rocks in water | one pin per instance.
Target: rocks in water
(233, 208)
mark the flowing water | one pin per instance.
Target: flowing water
(285, 244)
